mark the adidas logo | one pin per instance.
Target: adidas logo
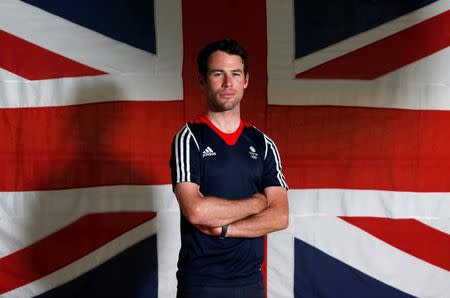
(208, 152)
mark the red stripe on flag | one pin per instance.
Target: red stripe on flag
(362, 148)
(410, 236)
(227, 22)
(36, 63)
(387, 54)
(66, 246)
(87, 145)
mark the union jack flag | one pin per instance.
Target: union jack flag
(356, 96)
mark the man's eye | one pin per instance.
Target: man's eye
(236, 74)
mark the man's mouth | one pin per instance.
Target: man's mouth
(227, 94)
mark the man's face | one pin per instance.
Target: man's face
(225, 81)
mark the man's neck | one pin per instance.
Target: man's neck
(227, 121)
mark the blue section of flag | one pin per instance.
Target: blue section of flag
(128, 21)
(321, 23)
(132, 273)
(320, 275)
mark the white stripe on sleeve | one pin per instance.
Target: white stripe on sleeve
(276, 155)
(182, 154)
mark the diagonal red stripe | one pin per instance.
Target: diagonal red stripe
(36, 63)
(410, 236)
(66, 246)
(87, 145)
(388, 54)
(362, 148)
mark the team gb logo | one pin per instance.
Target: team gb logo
(253, 153)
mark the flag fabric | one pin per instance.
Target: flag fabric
(356, 96)
(87, 91)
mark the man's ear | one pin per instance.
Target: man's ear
(247, 77)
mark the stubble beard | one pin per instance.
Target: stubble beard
(215, 104)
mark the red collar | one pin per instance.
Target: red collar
(229, 138)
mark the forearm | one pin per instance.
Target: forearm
(275, 217)
(215, 212)
(269, 220)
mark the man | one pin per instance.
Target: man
(228, 182)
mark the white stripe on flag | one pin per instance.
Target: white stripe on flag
(280, 263)
(82, 90)
(346, 202)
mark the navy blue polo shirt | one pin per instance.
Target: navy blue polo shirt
(231, 166)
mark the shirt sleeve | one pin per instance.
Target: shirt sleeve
(185, 158)
(273, 173)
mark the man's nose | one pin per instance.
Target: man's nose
(228, 80)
